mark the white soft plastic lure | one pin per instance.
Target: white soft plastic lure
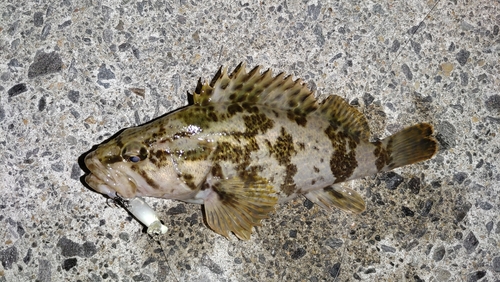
(146, 215)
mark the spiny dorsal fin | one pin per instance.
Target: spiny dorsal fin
(280, 92)
(344, 117)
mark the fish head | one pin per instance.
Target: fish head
(133, 165)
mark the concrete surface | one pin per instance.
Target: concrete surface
(72, 73)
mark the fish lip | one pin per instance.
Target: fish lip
(106, 180)
(100, 179)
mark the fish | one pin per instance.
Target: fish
(249, 141)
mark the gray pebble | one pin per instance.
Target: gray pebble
(124, 236)
(460, 177)
(439, 253)
(392, 180)
(17, 89)
(493, 104)
(73, 96)
(42, 103)
(179, 209)
(59, 167)
(395, 46)
(334, 270)
(470, 242)
(489, 226)
(462, 57)
(89, 249)
(8, 257)
(299, 253)
(464, 78)
(388, 249)
(416, 46)
(69, 263)
(38, 19)
(445, 134)
(103, 75)
(75, 172)
(496, 264)
(475, 276)
(407, 72)
(69, 248)
(208, 262)
(45, 63)
(45, 31)
(334, 243)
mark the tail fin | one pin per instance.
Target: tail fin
(411, 145)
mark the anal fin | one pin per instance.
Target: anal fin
(237, 204)
(337, 196)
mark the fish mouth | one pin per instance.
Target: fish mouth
(105, 179)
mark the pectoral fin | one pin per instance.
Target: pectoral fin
(337, 196)
(237, 204)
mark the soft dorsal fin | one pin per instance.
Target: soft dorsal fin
(280, 92)
(345, 118)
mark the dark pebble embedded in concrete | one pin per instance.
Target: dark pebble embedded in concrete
(470, 242)
(462, 57)
(334, 270)
(475, 276)
(459, 177)
(28, 256)
(45, 63)
(407, 72)
(407, 211)
(368, 99)
(334, 243)
(69, 263)
(69, 248)
(414, 185)
(208, 262)
(395, 46)
(179, 209)
(416, 46)
(387, 249)
(308, 204)
(42, 103)
(392, 180)
(38, 19)
(103, 75)
(17, 89)
(426, 207)
(89, 249)
(493, 104)
(299, 253)
(124, 236)
(59, 167)
(446, 135)
(75, 171)
(439, 253)
(73, 96)
(496, 264)
(9, 256)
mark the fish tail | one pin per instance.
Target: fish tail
(410, 145)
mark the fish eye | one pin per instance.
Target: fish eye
(134, 152)
(134, 159)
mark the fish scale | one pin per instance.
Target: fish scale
(250, 141)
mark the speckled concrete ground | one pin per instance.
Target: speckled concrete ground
(72, 74)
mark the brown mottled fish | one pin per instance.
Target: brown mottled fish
(250, 141)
